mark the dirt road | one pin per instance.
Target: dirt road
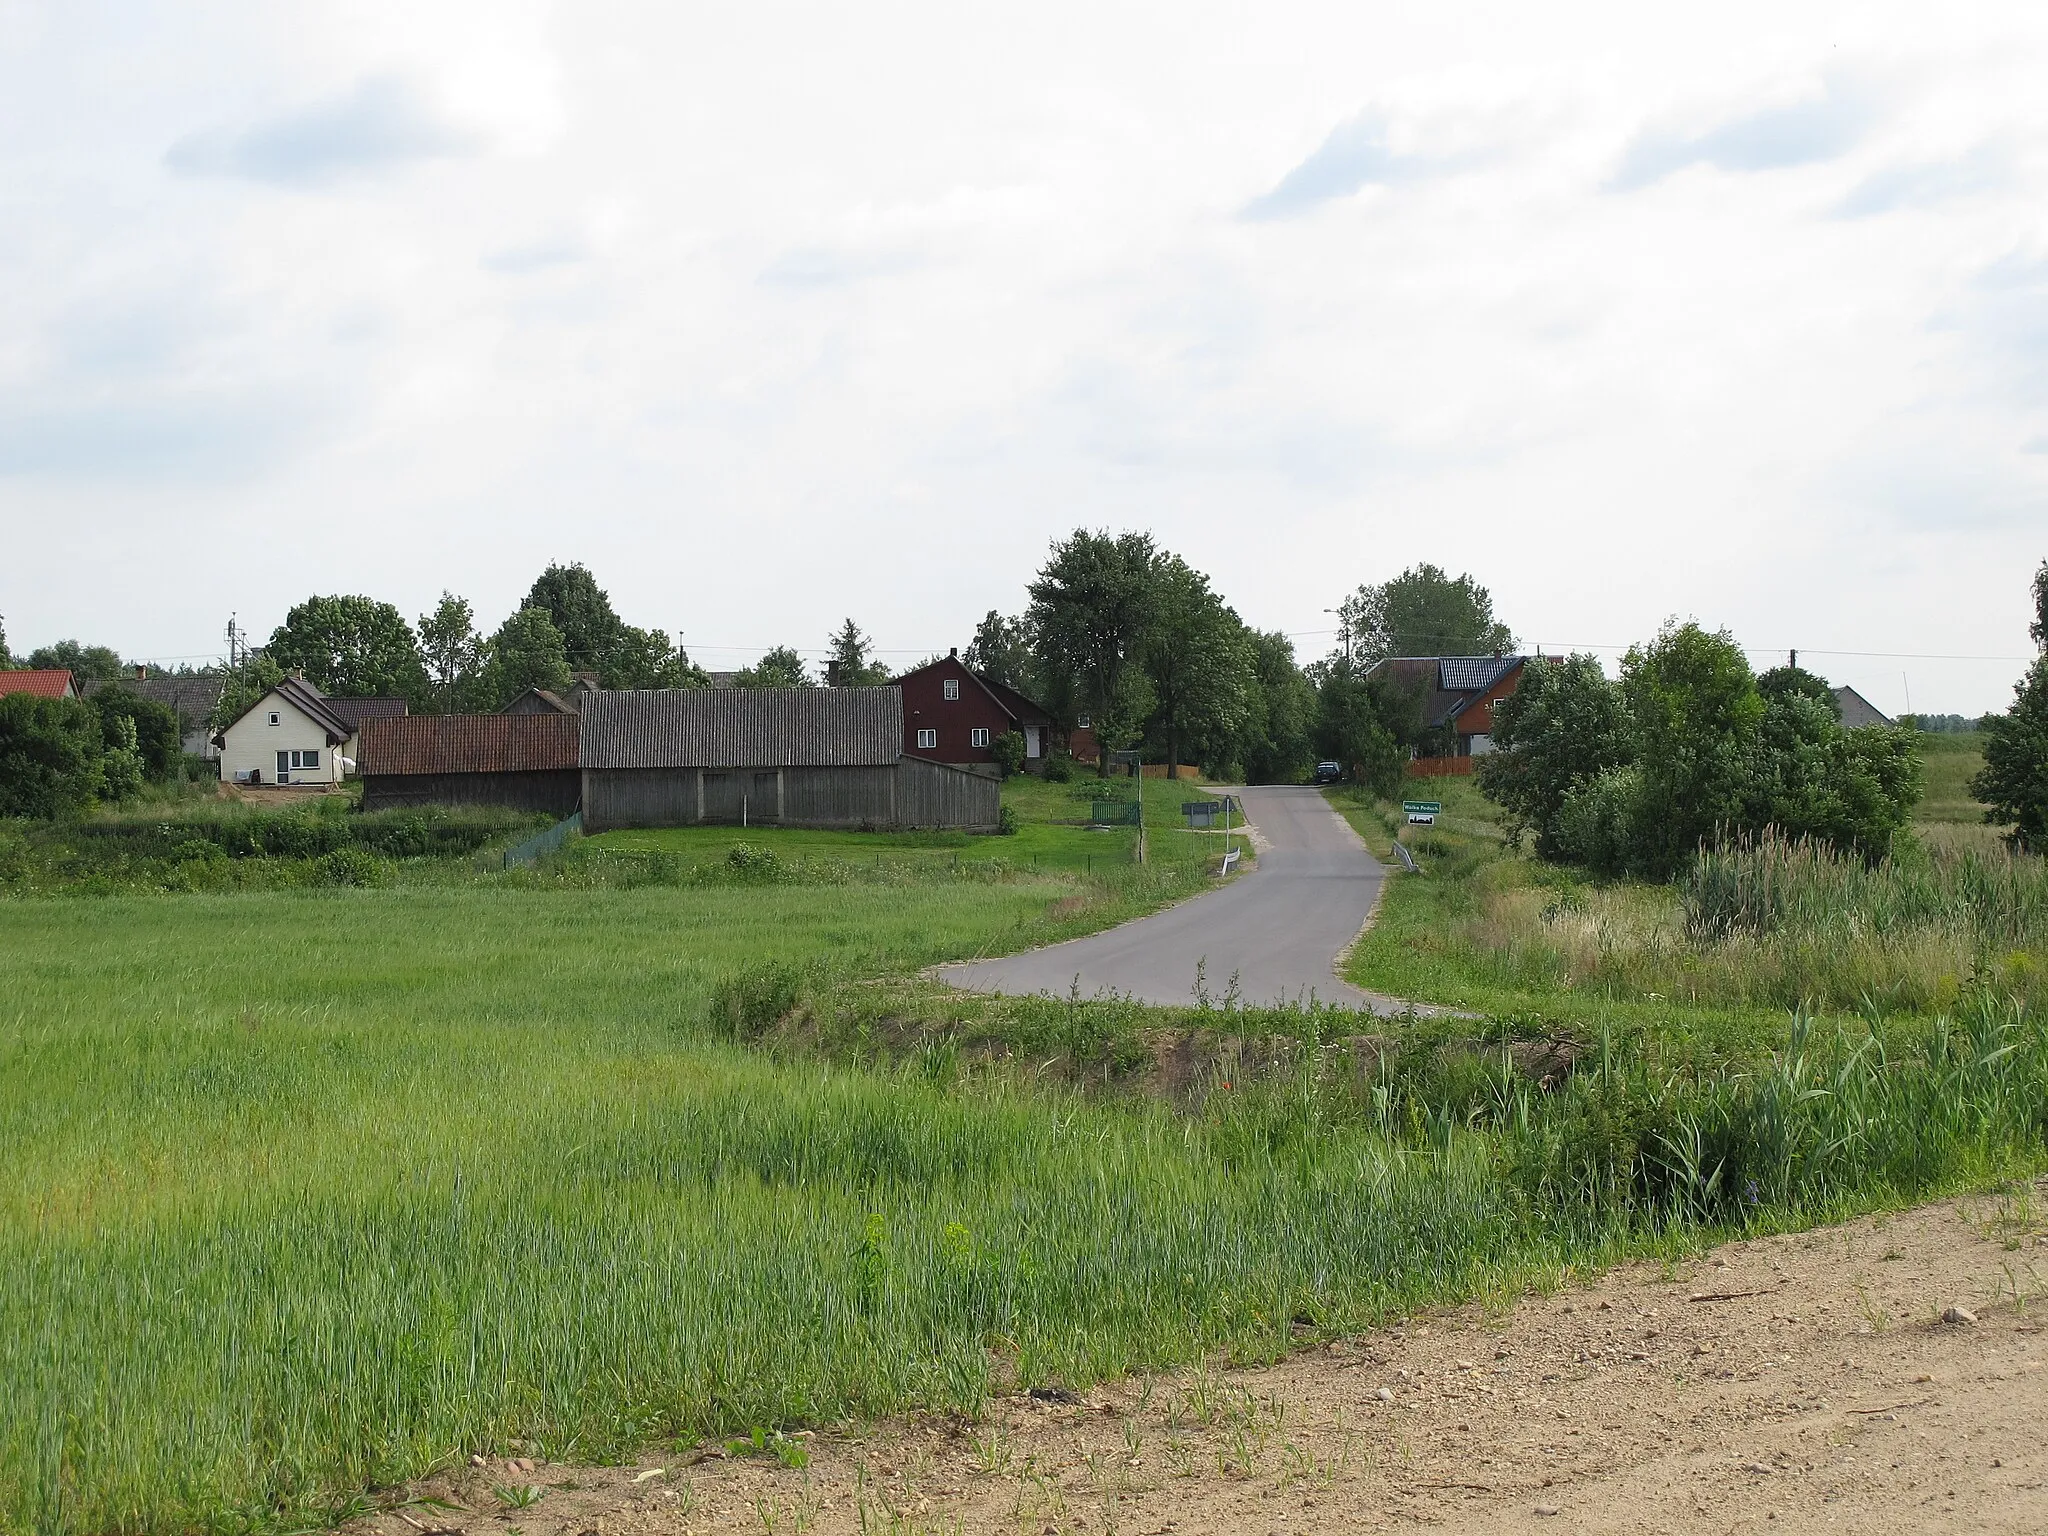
(1792, 1384)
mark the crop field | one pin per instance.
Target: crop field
(312, 1189)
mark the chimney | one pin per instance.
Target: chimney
(953, 654)
(1795, 658)
(141, 671)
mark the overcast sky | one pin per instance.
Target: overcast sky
(773, 314)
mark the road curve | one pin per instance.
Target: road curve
(1279, 928)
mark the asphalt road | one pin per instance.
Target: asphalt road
(1278, 928)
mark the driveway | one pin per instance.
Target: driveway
(1278, 929)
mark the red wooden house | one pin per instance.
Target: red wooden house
(1457, 696)
(952, 714)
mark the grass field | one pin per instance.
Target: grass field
(1497, 931)
(311, 1190)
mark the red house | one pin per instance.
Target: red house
(952, 714)
(1456, 697)
(48, 683)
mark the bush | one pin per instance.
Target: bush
(1059, 769)
(349, 866)
(142, 726)
(1006, 821)
(1008, 750)
(748, 1002)
(749, 862)
(50, 752)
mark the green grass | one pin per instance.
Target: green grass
(1949, 760)
(307, 1193)
(310, 1191)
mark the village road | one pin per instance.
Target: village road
(1277, 929)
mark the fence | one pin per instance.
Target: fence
(1116, 813)
(543, 843)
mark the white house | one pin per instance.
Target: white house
(295, 734)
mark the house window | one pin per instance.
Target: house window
(1083, 723)
(927, 741)
(952, 687)
(275, 718)
(306, 759)
(981, 736)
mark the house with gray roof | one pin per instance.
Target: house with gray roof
(1456, 697)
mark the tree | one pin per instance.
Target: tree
(50, 751)
(1422, 612)
(1001, 651)
(129, 722)
(1197, 661)
(1091, 607)
(780, 668)
(1350, 730)
(2013, 783)
(353, 646)
(581, 613)
(1563, 726)
(454, 655)
(2038, 629)
(1277, 744)
(849, 665)
(644, 658)
(1695, 713)
(5, 659)
(85, 663)
(526, 652)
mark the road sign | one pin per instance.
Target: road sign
(1426, 807)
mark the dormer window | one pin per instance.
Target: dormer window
(952, 687)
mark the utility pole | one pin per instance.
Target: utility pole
(234, 642)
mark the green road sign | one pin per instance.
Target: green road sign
(1422, 807)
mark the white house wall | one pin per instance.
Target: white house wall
(252, 743)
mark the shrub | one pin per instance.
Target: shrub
(1006, 821)
(349, 866)
(749, 862)
(747, 1002)
(2014, 779)
(1008, 750)
(142, 726)
(50, 751)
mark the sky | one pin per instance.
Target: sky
(777, 314)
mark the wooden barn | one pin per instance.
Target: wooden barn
(792, 757)
(529, 762)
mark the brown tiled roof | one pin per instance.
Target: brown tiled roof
(468, 744)
(44, 683)
(742, 727)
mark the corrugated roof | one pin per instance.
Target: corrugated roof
(1473, 674)
(356, 710)
(468, 744)
(42, 683)
(742, 728)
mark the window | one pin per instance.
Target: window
(306, 759)
(952, 687)
(981, 735)
(927, 741)
(1083, 723)
(275, 718)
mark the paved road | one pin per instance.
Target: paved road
(1279, 928)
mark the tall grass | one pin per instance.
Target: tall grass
(308, 1193)
(1771, 885)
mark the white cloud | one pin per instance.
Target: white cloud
(773, 314)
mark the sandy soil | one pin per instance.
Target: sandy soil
(1784, 1385)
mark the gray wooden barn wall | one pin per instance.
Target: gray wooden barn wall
(554, 790)
(907, 793)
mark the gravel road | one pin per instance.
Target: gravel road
(1278, 929)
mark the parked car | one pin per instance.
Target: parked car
(1329, 773)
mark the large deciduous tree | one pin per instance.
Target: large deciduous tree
(1198, 661)
(85, 663)
(779, 668)
(50, 756)
(1001, 651)
(526, 652)
(454, 655)
(354, 646)
(1422, 612)
(1563, 726)
(1277, 745)
(2013, 783)
(597, 640)
(129, 722)
(1091, 607)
